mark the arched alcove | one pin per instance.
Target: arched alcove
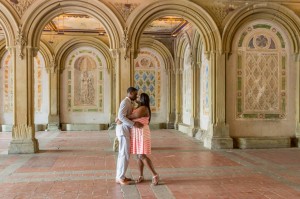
(261, 75)
(102, 76)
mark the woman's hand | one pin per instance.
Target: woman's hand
(118, 121)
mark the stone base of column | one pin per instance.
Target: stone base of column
(170, 125)
(53, 127)
(187, 129)
(297, 138)
(218, 137)
(262, 142)
(218, 143)
(297, 142)
(53, 123)
(23, 146)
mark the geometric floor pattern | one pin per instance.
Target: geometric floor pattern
(82, 165)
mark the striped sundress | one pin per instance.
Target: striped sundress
(140, 138)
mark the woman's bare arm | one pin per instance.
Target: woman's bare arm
(141, 111)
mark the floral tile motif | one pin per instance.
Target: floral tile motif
(147, 77)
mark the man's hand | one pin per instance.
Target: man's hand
(138, 125)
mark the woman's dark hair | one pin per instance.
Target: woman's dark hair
(145, 101)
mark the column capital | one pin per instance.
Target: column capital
(52, 67)
(126, 43)
(115, 53)
(20, 42)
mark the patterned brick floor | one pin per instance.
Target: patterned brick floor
(82, 165)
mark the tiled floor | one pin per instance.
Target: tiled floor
(82, 165)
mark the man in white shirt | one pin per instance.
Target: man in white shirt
(123, 134)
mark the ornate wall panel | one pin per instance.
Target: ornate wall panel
(204, 93)
(41, 90)
(187, 86)
(261, 74)
(147, 77)
(85, 81)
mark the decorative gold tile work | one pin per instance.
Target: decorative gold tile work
(38, 84)
(261, 74)
(8, 84)
(85, 81)
(147, 77)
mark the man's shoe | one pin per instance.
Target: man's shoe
(125, 179)
(122, 182)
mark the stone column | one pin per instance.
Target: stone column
(178, 97)
(53, 118)
(123, 70)
(195, 116)
(218, 137)
(123, 58)
(23, 132)
(171, 102)
(112, 73)
(297, 134)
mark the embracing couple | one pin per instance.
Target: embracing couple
(134, 136)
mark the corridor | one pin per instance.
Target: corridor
(82, 165)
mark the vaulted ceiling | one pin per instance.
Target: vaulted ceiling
(168, 25)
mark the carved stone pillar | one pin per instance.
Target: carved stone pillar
(112, 73)
(123, 77)
(171, 101)
(297, 134)
(23, 132)
(195, 115)
(178, 98)
(218, 136)
(53, 118)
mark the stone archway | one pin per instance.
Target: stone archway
(104, 113)
(167, 57)
(33, 21)
(218, 133)
(39, 15)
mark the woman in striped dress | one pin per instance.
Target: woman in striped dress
(140, 142)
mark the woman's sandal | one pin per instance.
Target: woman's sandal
(155, 179)
(140, 179)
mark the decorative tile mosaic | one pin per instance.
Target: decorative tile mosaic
(8, 84)
(261, 74)
(85, 81)
(38, 92)
(187, 79)
(147, 77)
